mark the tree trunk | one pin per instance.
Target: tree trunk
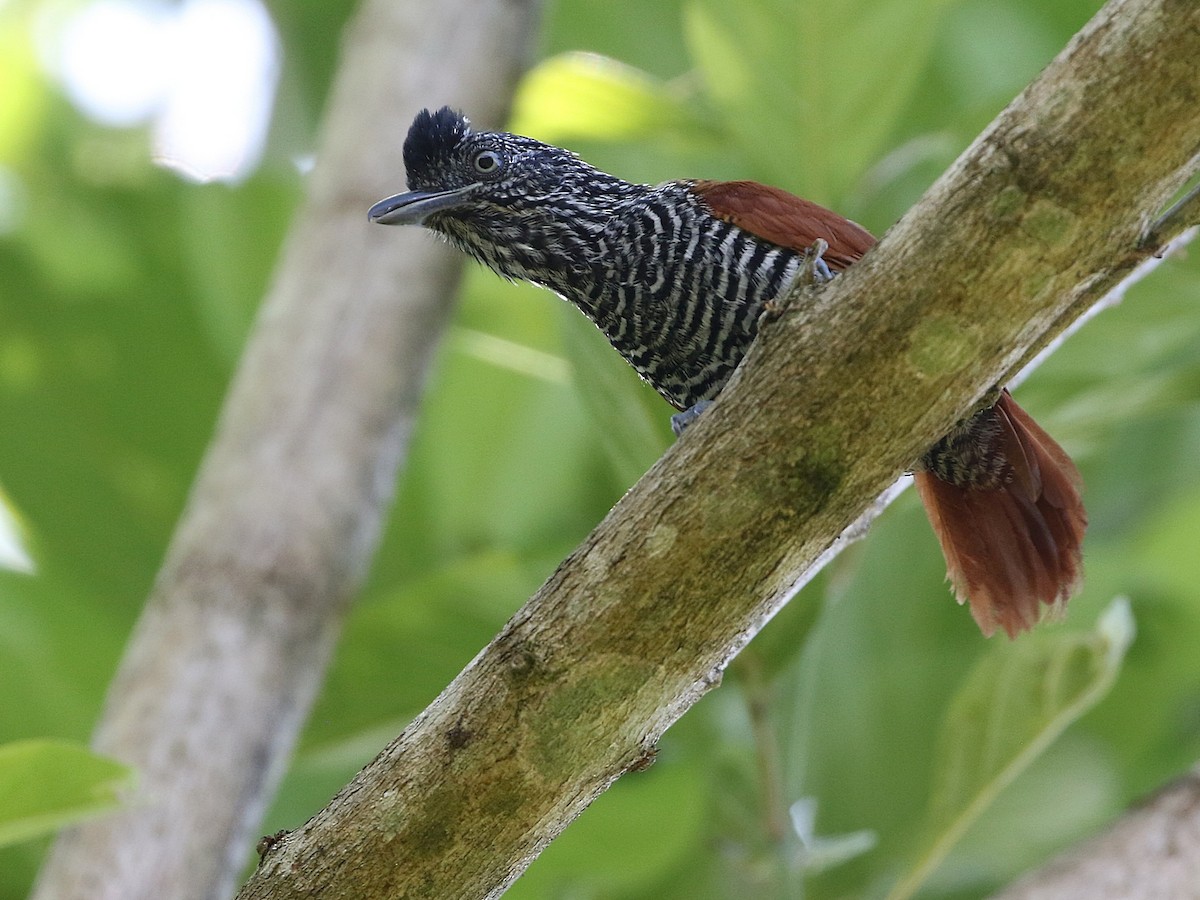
(286, 510)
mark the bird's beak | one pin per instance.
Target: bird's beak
(414, 207)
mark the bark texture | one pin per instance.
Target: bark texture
(1043, 215)
(287, 508)
(1152, 853)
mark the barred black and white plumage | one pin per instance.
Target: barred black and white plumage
(677, 275)
(676, 290)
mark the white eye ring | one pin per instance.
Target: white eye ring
(487, 162)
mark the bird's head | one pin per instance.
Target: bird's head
(517, 204)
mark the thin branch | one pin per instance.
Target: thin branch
(287, 508)
(756, 686)
(1037, 221)
(1183, 214)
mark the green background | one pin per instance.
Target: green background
(126, 295)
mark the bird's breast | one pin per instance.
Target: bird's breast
(681, 292)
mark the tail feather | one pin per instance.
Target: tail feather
(1012, 537)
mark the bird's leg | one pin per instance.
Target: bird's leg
(814, 271)
(682, 420)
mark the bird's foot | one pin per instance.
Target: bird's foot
(813, 271)
(681, 421)
(813, 268)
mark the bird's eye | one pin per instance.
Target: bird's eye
(487, 162)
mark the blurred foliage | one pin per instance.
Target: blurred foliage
(126, 294)
(48, 784)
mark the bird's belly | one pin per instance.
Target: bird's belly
(685, 352)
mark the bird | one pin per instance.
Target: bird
(678, 275)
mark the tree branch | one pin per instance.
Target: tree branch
(287, 508)
(1038, 219)
(1151, 852)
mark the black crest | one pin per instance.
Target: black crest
(432, 137)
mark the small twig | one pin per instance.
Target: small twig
(1182, 215)
(770, 772)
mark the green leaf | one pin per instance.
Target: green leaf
(45, 785)
(812, 92)
(1016, 703)
(586, 95)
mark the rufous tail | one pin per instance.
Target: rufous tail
(1004, 501)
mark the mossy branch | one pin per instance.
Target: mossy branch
(1046, 212)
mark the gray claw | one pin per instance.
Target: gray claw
(682, 420)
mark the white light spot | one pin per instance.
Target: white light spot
(203, 73)
(112, 58)
(214, 122)
(13, 555)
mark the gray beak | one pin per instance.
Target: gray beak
(414, 207)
